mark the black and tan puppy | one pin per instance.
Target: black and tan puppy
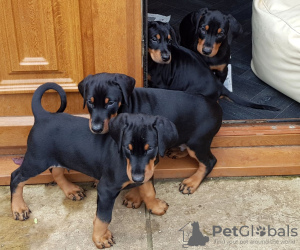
(196, 118)
(122, 159)
(210, 33)
(171, 66)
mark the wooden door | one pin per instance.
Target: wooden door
(40, 41)
(59, 41)
(62, 41)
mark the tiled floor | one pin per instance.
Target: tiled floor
(245, 83)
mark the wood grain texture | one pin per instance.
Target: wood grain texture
(87, 37)
(7, 166)
(248, 161)
(14, 131)
(20, 105)
(238, 161)
(40, 41)
(117, 33)
(253, 154)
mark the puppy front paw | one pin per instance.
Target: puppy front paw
(103, 241)
(132, 199)
(157, 206)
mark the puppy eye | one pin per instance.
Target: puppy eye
(90, 103)
(128, 148)
(170, 41)
(203, 30)
(220, 34)
(154, 39)
(149, 150)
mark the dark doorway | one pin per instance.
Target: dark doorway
(245, 83)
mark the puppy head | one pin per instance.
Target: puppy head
(212, 29)
(160, 38)
(103, 94)
(140, 139)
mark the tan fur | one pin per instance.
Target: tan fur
(133, 199)
(72, 191)
(19, 208)
(215, 48)
(156, 206)
(149, 170)
(190, 185)
(102, 237)
(156, 56)
(220, 67)
(146, 193)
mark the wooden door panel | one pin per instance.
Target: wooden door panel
(40, 41)
(30, 36)
(117, 34)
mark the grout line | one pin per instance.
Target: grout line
(148, 230)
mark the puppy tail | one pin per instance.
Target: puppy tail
(246, 103)
(36, 105)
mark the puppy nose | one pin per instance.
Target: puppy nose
(138, 177)
(206, 50)
(97, 128)
(165, 57)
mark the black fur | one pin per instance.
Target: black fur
(186, 70)
(196, 118)
(63, 140)
(215, 29)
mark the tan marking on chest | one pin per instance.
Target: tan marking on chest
(220, 67)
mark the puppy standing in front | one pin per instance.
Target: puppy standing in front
(126, 158)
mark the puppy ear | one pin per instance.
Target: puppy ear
(126, 84)
(166, 133)
(117, 127)
(235, 28)
(197, 17)
(82, 87)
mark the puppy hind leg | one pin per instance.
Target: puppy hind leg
(19, 208)
(176, 153)
(72, 191)
(190, 185)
